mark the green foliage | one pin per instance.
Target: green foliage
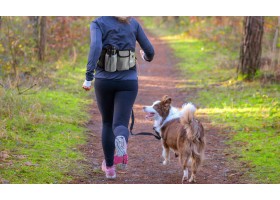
(14, 45)
(224, 31)
(67, 35)
(40, 132)
(249, 112)
(198, 58)
(253, 114)
(43, 108)
(18, 45)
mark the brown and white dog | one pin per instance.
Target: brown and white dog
(180, 132)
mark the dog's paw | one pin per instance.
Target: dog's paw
(192, 180)
(184, 179)
(165, 162)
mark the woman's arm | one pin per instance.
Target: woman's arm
(145, 44)
(95, 50)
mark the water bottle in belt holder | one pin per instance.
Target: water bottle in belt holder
(111, 59)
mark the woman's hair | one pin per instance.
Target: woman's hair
(123, 19)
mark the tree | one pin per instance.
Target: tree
(42, 41)
(39, 35)
(274, 45)
(251, 48)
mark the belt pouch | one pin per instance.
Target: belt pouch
(123, 60)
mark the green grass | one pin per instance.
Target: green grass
(249, 112)
(253, 114)
(41, 132)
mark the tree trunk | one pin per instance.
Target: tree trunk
(0, 22)
(274, 45)
(164, 18)
(275, 38)
(251, 48)
(177, 19)
(42, 41)
(39, 35)
(218, 20)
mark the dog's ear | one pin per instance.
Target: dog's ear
(166, 100)
(165, 97)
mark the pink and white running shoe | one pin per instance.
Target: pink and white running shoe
(109, 171)
(121, 157)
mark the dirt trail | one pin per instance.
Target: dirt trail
(156, 79)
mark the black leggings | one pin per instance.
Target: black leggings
(115, 99)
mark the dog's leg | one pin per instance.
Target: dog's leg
(184, 162)
(192, 179)
(186, 175)
(194, 165)
(165, 155)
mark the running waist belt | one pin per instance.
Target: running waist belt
(112, 60)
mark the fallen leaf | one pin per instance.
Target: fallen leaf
(4, 155)
(28, 163)
(3, 181)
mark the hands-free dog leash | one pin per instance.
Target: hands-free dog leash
(156, 135)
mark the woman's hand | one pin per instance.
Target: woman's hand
(142, 53)
(87, 85)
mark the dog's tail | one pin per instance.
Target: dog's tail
(187, 119)
(188, 111)
(194, 129)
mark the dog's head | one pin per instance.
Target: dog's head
(159, 110)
